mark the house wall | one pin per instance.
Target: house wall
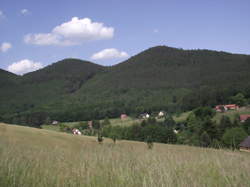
(245, 149)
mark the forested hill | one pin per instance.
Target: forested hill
(71, 70)
(160, 78)
(7, 78)
(48, 85)
(165, 67)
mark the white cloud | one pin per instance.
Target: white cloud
(109, 54)
(155, 30)
(1, 14)
(24, 66)
(42, 39)
(74, 32)
(5, 46)
(25, 11)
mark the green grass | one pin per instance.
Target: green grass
(182, 117)
(35, 157)
(115, 122)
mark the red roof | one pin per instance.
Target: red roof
(244, 117)
(231, 105)
(123, 116)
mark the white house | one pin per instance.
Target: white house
(55, 122)
(76, 132)
(161, 114)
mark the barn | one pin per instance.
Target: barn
(245, 145)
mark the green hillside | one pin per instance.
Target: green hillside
(50, 84)
(35, 157)
(160, 78)
(163, 78)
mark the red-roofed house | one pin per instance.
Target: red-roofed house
(232, 107)
(244, 117)
(222, 108)
(124, 116)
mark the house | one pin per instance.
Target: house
(161, 114)
(144, 116)
(222, 108)
(245, 145)
(123, 116)
(244, 117)
(76, 132)
(232, 107)
(175, 131)
(90, 124)
(55, 122)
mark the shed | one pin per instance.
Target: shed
(244, 117)
(245, 145)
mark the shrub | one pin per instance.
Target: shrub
(233, 137)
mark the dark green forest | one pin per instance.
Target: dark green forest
(160, 78)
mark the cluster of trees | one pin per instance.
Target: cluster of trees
(201, 130)
(114, 109)
(148, 129)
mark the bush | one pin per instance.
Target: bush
(233, 137)
(149, 142)
(99, 137)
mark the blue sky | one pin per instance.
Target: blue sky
(36, 33)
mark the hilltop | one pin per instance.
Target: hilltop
(159, 78)
(35, 157)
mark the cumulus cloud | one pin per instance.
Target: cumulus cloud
(25, 11)
(74, 32)
(24, 66)
(109, 54)
(5, 46)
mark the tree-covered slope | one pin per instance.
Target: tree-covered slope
(160, 78)
(169, 78)
(7, 78)
(47, 85)
(165, 67)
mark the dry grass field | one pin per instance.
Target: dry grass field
(35, 157)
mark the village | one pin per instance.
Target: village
(124, 120)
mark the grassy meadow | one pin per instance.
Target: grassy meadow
(36, 157)
(114, 121)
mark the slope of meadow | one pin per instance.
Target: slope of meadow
(35, 157)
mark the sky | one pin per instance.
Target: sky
(34, 34)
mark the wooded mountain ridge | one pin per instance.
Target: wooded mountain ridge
(160, 78)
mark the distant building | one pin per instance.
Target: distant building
(245, 145)
(161, 114)
(223, 108)
(232, 107)
(76, 132)
(175, 131)
(55, 122)
(90, 124)
(220, 108)
(144, 116)
(123, 116)
(244, 117)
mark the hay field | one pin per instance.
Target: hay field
(35, 157)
